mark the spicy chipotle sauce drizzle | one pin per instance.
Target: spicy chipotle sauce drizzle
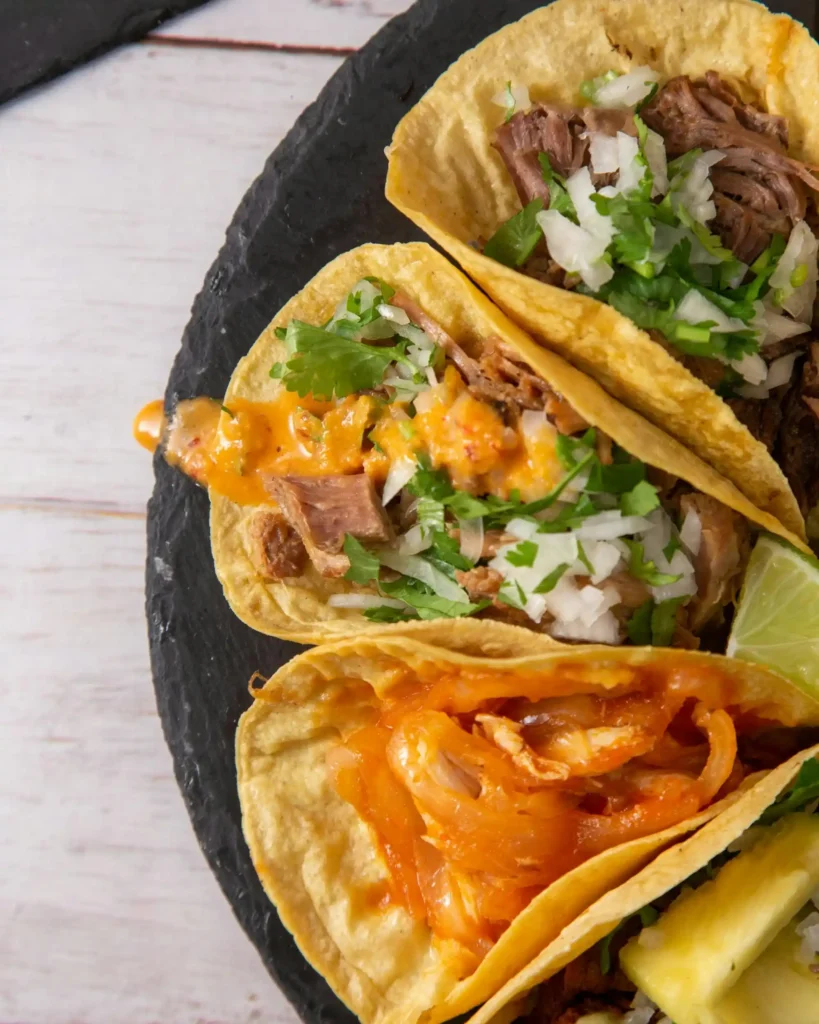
(483, 788)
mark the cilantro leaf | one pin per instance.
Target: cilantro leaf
(549, 582)
(640, 500)
(664, 621)
(805, 790)
(364, 566)
(383, 613)
(559, 198)
(427, 603)
(639, 625)
(445, 554)
(616, 478)
(644, 570)
(584, 558)
(327, 364)
(514, 242)
(672, 547)
(523, 555)
(431, 514)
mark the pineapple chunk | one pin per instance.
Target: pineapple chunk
(776, 988)
(711, 935)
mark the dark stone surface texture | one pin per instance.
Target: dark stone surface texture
(41, 39)
(319, 194)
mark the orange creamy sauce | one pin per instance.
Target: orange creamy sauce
(483, 788)
(231, 451)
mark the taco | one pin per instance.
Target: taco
(720, 929)
(646, 206)
(394, 450)
(426, 822)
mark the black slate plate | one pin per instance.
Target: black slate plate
(40, 39)
(320, 194)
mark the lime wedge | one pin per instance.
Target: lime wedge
(777, 619)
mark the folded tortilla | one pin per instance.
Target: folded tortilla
(445, 175)
(670, 869)
(325, 868)
(297, 609)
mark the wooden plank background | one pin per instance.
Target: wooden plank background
(116, 185)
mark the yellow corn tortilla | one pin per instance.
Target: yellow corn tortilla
(446, 177)
(669, 869)
(298, 610)
(317, 859)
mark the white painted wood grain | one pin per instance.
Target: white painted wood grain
(337, 23)
(116, 186)
(110, 914)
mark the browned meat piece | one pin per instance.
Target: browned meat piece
(501, 367)
(275, 548)
(632, 592)
(581, 988)
(479, 583)
(564, 416)
(763, 417)
(721, 558)
(325, 508)
(556, 132)
(543, 268)
(740, 229)
(799, 437)
(709, 371)
(716, 91)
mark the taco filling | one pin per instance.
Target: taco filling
(679, 205)
(719, 948)
(441, 484)
(484, 786)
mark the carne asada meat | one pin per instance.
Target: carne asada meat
(581, 988)
(763, 417)
(723, 549)
(275, 547)
(799, 438)
(325, 508)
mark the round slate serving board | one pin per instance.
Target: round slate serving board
(320, 193)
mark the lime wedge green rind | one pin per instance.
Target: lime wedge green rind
(777, 618)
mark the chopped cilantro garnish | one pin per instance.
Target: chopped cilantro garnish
(559, 198)
(640, 500)
(617, 478)
(431, 514)
(584, 558)
(672, 547)
(383, 613)
(445, 554)
(514, 242)
(426, 602)
(644, 570)
(639, 625)
(654, 622)
(364, 566)
(589, 87)
(805, 790)
(327, 364)
(523, 555)
(549, 582)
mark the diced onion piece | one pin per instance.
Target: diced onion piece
(626, 91)
(431, 378)
(632, 167)
(752, 367)
(801, 251)
(610, 525)
(580, 189)
(400, 473)
(426, 400)
(394, 313)
(654, 148)
(604, 558)
(362, 601)
(691, 532)
(367, 292)
(517, 94)
(605, 155)
(414, 541)
(532, 422)
(771, 326)
(808, 931)
(420, 356)
(418, 568)
(694, 190)
(377, 330)
(415, 335)
(605, 630)
(524, 529)
(642, 1010)
(755, 391)
(471, 538)
(686, 586)
(575, 249)
(780, 371)
(696, 309)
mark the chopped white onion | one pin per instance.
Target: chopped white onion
(580, 189)
(394, 313)
(604, 558)
(400, 473)
(801, 251)
(523, 529)
(431, 378)
(686, 586)
(771, 326)
(414, 541)
(626, 91)
(610, 525)
(362, 601)
(755, 391)
(471, 538)
(752, 367)
(575, 249)
(426, 400)
(604, 631)
(694, 189)
(514, 96)
(642, 1010)
(419, 569)
(533, 422)
(691, 532)
(420, 356)
(696, 309)
(780, 371)
(376, 330)
(808, 931)
(632, 168)
(654, 149)
(605, 158)
(415, 335)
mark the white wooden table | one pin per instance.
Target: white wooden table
(116, 185)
